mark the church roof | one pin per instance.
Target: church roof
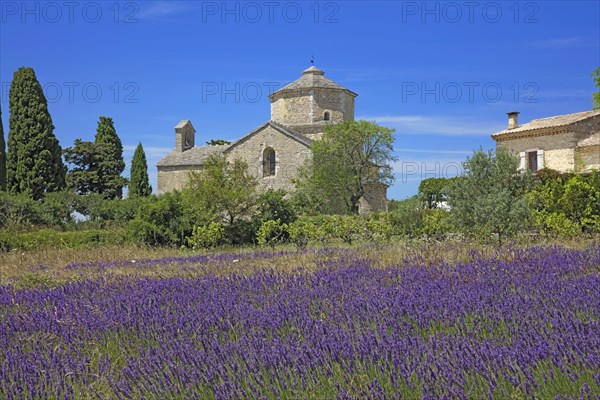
(286, 130)
(193, 157)
(550, 122)
(311, 78)
(196, 156)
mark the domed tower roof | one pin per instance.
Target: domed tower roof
(312, 78)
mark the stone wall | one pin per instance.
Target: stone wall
(290, 155)
(374, 199)
(174, 178)
(589, 157)
(558, 149)
(308, 106)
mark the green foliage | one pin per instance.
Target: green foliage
(223, 190)
(84, 159)
(432, 191)
(407, 217)
(345, 227)
(272, 205)
(110, 155)
(139, 184)
(103, 212)
(596, 95)
(2, 156)
(379, 227)
(301, 232)
(206, 236)
(241, 232)
(19, 212)
(47, 238)
(350, 157)
(96, 167)
(436, 224)
(555, 224)
(163, 221)
(271, 233)
(569, 199)
(489, 200)
(34, 163)
(217, 142)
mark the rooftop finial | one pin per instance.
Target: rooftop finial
(312, 60)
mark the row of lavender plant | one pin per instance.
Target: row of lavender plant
(525, 328)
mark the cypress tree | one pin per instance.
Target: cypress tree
(2, 156)
(34, 163)
(139, 186)
(111, 164)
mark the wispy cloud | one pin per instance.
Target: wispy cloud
(437, 125)
(163, 9)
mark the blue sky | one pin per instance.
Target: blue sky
(443, 74)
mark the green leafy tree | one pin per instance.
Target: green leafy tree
(272, 205)
(2, 156)
(490, 198)
(110, 156)
(432, 191)
(596, 94)
(139, 185)
(34, 162)
(223, 189)
(351, 157)
(83, 160)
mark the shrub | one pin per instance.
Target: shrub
(407, 217)
(301, 232)
(206, 236)
(436, 224)
(163, 221)
(241, 233)
(273, 205)
(19, 212)
(52, 238)
(271, 233)
(379, 226)
(555, 224)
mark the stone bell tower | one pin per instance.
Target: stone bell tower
(310, 102)
(185, 136)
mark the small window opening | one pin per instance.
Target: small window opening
(269, 162)
(532, 161)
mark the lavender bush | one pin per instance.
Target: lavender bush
(524, 325)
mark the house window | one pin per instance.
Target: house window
(269, 162)
(326, 116)
(532, 161)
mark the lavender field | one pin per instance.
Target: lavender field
(522, 324)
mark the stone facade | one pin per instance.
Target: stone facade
(290, 154)
(564, 143)
(277, 149)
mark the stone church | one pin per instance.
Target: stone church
(569, 142)
(275, 150)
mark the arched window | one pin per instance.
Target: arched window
(326, 116)
(269, 162)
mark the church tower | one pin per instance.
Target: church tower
(310, 102)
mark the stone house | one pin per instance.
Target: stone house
(278, 148)
(569, 142)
